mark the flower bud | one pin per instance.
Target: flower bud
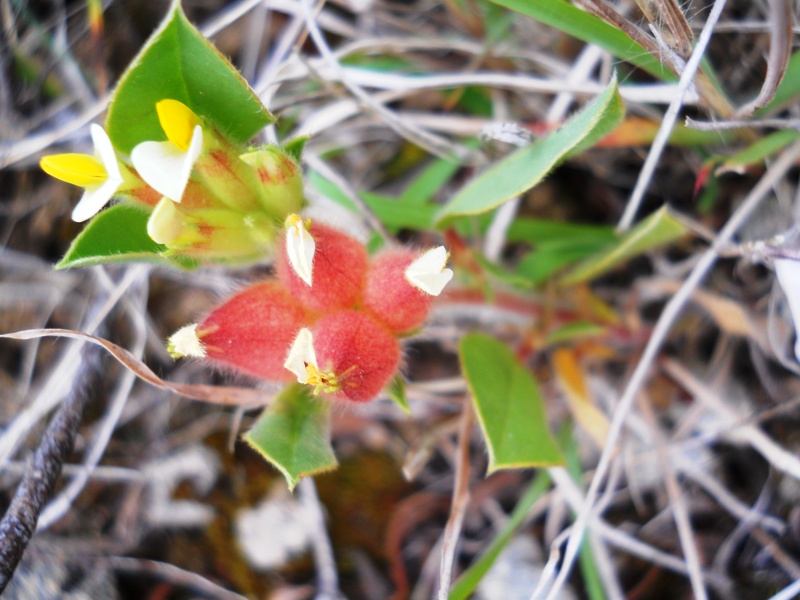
(337, 268)
(211, 233)
(400, 287)
(251, 332)
(347, 355)
(280, 179)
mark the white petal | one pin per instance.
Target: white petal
(428, 272)
(97, 196)
(301, 354)
(788, 273)
(94, 199)
(104, 151)
(164, 167)
(300, 247)
(164, 224)
(186, 342)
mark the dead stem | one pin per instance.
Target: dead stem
(677, 502)
(327, 577)
(669, 314)
(460, 502)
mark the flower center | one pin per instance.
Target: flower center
(322, 381)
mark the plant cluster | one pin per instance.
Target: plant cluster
(207, 196)
(331, 318)
(184, 153)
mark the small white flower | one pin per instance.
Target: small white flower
(186, 342)
(301, 356)
(165, 167)
(788, 274)
(428, 272)
(99, 175)
(300, 248)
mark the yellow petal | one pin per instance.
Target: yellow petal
(178, 122)
(77, 169)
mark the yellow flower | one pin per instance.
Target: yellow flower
(99, 175)
(167, 166)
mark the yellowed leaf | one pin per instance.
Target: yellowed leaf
(728, 314)
(573, 384)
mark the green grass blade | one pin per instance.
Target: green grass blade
(656, 230)
(470, 579)
(590, 29)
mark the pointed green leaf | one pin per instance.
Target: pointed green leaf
(523, 169)
(118, 234)
(397, 392)
(177, 62)
(295, 147)
(656, 230)
(758, 151)
(294, 434)
(508, 404)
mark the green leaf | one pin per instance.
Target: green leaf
(537, 231)
(470, 579)
(432, 178)
(552, 256)
(501, 274)
(590, 29)
(788, 90)
(177, 62)
(758, 151)
(591, 576)
(523, 169)
(656, 230)
(394, 214)
(508, 404)
(118, 234)
(579, 330)
(294, 434)
(397, 392)
(295, 146)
